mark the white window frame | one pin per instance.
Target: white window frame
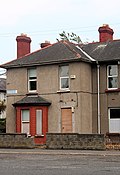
(39, 122)
(64, 77)
(112, 76)
(25, 121)
(111, 130)
(30, 80)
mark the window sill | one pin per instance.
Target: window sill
(112, 90)
(32, 93)
(63, 91)
(39, 136)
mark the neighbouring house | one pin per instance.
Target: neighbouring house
(2, 97)
(64, 87)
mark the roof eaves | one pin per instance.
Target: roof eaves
(31, 104)
(44, 63)
(32, 101)
(110, 60)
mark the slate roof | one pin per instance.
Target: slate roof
(2, 85)
(61, 51)
(64, 51)
(104, 51)
(32, 101)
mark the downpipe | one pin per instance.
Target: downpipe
(98, 97)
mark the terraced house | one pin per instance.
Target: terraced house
(64, 87)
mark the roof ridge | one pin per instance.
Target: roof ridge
(71, 49)
(85, 53)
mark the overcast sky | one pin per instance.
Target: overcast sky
(45, 19)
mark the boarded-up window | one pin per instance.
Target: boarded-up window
(66, 120)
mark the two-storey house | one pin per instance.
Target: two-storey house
(64, 87)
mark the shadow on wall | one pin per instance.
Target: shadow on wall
(2, 125)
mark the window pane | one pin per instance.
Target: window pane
(25, 128)
(32, 80)
(32, 72)
(112, 82)
(114, 126)
(33, 85)
(25, 121)
(64, 71)
(39, 122)
(112, 70)
(114, 113)
(25, 115)
(64, 83)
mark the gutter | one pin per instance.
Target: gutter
(76, 59)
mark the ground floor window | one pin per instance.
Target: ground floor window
(25, 117)
(39, 122)
(114, 120)
(28, 121)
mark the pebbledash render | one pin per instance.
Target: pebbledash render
(64, 87)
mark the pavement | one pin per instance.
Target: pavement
(61, 152)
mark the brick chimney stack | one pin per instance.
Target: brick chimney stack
(23, 45)
(105, 33)
(45, 44)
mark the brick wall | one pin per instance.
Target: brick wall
(75, 141)
(15, 141)
(113, 141)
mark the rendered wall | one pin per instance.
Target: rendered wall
(79, 98)
(108, 98)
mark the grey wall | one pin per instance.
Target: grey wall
(75, 141)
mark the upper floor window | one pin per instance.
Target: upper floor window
(112, 76)
(32, 80)
(64, 77)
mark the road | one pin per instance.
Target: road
(40, 162)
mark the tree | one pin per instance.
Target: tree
(70, 37)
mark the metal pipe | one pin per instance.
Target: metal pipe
(98, 94)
